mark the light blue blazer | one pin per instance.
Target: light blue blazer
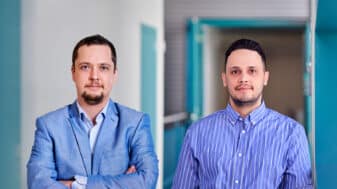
(61, 150)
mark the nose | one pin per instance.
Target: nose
(243, 78)
(94, 73)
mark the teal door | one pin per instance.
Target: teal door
(149, 74)
(10, 93)
(325, 94)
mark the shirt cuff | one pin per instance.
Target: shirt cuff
(79, 183)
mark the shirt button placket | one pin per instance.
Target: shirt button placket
(239, 155)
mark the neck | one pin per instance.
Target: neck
(245, 108)
(92, 110)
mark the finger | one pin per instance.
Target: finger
(131, 169)
(66, 182)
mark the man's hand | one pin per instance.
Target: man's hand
(67, 183)
(131, 169)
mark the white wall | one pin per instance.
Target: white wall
(150, 13)
(50, 30)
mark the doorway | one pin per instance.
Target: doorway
(286, 44)
(285, 53)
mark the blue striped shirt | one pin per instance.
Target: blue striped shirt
(263, 150)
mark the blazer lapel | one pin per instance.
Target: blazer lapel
(81, 137)
(106, 135)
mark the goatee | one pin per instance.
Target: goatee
(243, 103)
(92, 100)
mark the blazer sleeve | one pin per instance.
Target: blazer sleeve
(142, 156)
(41, 171)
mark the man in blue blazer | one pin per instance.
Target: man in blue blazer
(94, 142)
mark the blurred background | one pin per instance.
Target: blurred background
(170, 57)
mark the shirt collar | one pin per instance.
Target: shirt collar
(254, 117)
(83, 115)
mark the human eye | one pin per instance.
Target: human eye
(84, 67)
(104, 67)
(252, 70)
(234, 72)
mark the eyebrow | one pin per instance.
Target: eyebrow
(234, 67)
(101, 63)
(81, 63)
(237, 67)
(252, 67)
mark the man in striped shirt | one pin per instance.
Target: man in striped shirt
(246, 145)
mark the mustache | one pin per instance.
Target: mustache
(244, 86)
(93, 85)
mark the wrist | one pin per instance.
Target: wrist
(80, 182)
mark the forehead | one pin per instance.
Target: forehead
(94, 54)
(244, 58)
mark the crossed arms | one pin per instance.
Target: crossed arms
(43, 168)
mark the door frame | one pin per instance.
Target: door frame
(149, 75)
(194, 69)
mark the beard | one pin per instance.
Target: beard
(92, 100)
(246, 102)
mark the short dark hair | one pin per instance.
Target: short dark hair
(246, 44)
(95, 40)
